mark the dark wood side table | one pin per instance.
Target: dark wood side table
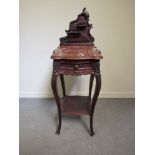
(76, 61)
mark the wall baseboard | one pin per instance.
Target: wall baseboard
(102, 94)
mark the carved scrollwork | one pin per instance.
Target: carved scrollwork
(79, 30)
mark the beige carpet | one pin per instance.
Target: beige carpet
(113, 125)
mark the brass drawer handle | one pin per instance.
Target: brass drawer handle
(76, 67)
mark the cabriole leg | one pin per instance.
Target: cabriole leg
(94, 100)
(91, 84)
(63, 84)
(55, 93)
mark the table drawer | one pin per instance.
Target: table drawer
(76, 68)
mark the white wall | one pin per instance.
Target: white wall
(43, 22)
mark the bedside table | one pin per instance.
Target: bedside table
(76, 61)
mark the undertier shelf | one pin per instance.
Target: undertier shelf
(75, 105)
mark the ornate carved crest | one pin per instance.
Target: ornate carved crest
(79, 31)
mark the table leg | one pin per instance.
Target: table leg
(63, 84)
(91, 84)
(96, 93)
(55, 93)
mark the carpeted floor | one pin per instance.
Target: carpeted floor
(113, 124)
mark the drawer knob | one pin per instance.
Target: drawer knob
(76, 66)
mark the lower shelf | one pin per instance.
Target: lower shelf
(75, 105)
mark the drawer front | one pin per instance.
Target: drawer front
(76, 68)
